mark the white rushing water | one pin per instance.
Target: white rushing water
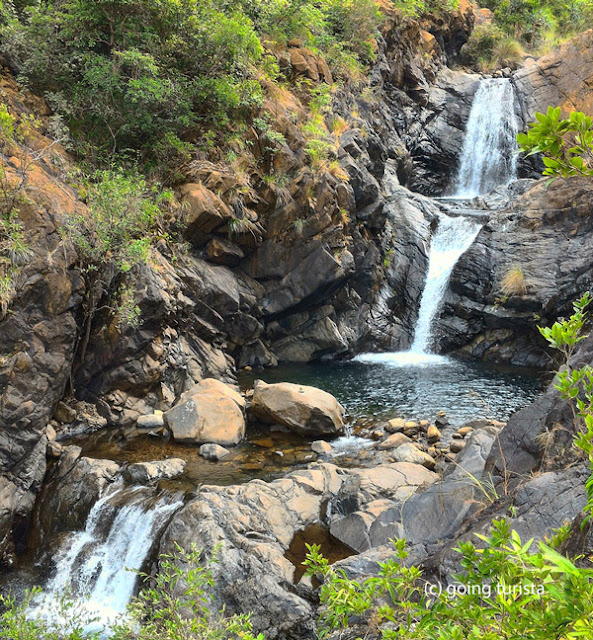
(97, 567)
(488, 157)
(453, 237)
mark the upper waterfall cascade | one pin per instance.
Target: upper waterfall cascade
(488, 156)
(98, 565)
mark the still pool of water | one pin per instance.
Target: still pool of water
(384, 386)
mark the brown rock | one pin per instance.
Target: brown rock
(306, 410)
(205, 212)
(433, 434)
(64, 413)
(464, 431)
(395, 426)
(393, 441)
(221, 251)
(211, 411)
(409, 453)
(456, 445)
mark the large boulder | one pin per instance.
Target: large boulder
(306, 410)
(256, 524)
(211, 411)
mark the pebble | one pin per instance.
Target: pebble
(321, 446)
(433, 434)
(411, 428)
(456, 445)
(464, 431)
(395, 426)
(393, 441)
(213, 451)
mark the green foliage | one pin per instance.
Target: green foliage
(531, 21)
(180, 605)
(507, 591)
(129, 74)
(123, 212)
(16, 625)
(14, 248)
(144, 78)
(489, 48)
(116, 235)
(566, 143)
(576, 385)
(423, 7)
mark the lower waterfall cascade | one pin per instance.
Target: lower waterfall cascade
(453, 237)
(97, 566)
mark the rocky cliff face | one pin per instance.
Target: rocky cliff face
(544, 238)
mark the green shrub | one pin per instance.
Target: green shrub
(506, 591)
(143, 78)
(122, 223)
(129, 74)
(180, 605)
(566, 143)
(424, 7)
(15, 251)
(531, 21)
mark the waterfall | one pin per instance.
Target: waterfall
(97, 567)
(452, 239)
(488, 157)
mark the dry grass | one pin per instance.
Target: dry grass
(513, 283)
(339, 126)
(338, 172)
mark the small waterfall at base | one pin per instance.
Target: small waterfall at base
(488, 157)
(453, 237)
(97, 567)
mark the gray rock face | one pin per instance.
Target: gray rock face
(561, 78)
(256, 523)
(305, 410)
(209, 412)
(72, 490)
(545, 236)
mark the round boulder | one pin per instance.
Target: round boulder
(306, 410)
(211, 411)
